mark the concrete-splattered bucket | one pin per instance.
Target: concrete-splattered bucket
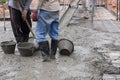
(8, 47)
(26, 49)
(66, 47)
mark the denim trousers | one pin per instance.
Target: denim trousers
(47, 24)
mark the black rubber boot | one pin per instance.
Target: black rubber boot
(54, 44)
(45, 51)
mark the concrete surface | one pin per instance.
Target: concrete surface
(90, 41)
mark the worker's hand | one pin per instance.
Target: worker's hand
(24, 15)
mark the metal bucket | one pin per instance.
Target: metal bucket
(66, 47)
(8, 47)
(26, 49)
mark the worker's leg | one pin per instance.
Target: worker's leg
(16, 21)
(86, 9)
(53, 32)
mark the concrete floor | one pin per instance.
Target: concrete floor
(103, 35)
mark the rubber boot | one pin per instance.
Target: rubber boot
(44, 47)
(54, 44)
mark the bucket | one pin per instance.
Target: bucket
(8, 47)
(26, 49)
(66, 47)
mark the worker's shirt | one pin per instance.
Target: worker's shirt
(49, 5)
(25, 4)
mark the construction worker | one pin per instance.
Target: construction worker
(48, 21)
(86, 7)
(19, 26)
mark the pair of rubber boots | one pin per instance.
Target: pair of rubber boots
(45, 50)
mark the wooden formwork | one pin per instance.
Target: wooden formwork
(112, 4)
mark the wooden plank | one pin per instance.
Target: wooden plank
(103, 14)
(65, 19)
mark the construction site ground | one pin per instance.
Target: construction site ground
(103, 34)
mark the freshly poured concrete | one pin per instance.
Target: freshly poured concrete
(92, 55)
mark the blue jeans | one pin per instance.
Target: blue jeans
(48, 22)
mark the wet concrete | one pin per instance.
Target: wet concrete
(90, 43)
